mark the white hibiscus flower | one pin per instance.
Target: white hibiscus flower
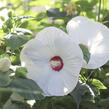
(94, 35)
(53, 61)
(4, 64)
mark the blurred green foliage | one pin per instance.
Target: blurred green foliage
(25, 19)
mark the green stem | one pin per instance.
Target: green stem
(90, 75)
(99, 10)
(103, 5)
(83, 77)
(103, 8)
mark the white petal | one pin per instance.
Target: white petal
(63, 44)
(35, 56)
(35, 50)
(82, 29)
(40, 75)
(71, 54)
(70, 81)
(56, 85)
(61, 84)
(49, 35)
(94, 35)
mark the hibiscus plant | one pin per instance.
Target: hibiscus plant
(57, 58)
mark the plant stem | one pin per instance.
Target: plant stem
(103, 8)
(99, 10)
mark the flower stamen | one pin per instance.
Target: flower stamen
(56, 63)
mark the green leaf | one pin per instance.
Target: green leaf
(4, 79)
(57, 102)
(25, 87)
(104, 102)
(4, 56)
(5, 29)
(16, 97)
(8, 24)
(21, 72)
(2, 18)
(98, 84)
(10, 14)
(14, 41)
(80, 90)
(107, 63)
(4, 96)
(86, 52)
(40, 16)
(106, 20)
(16, 102)
(10, 105)
(43, 104)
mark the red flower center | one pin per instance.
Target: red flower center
(56, 63)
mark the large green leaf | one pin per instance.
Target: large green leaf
(14, 41)
(80, 90)
(25, 87)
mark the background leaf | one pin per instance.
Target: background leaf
(14, 41)
(25, 87)
(86, 52)
(4, 79)
(98, 84)
(80, 90)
